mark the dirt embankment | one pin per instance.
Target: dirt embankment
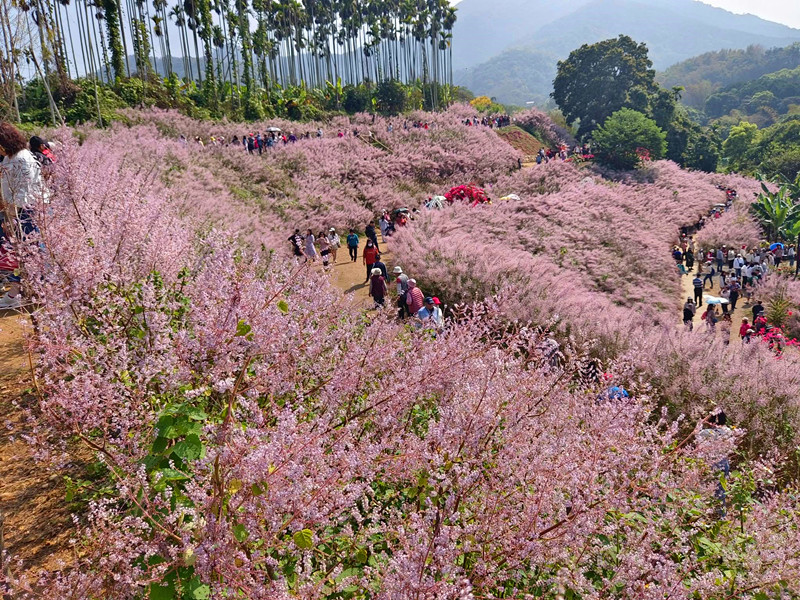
(36, 520)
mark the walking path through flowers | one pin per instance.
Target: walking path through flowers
(37, 521)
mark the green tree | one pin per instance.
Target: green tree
(626, 137)
(111, 9)
(599, 79)
(390, 97)
(739, 142)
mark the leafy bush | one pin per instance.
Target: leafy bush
(626, 137)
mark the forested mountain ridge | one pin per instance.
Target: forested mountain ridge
(673, 31)
(703, 75)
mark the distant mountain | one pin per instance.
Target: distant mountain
(673, 30)
(485, 28)
(708, 73)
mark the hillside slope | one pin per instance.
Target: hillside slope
(673, 32)
(707, 73)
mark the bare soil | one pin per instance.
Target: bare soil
(742, 308)
(36, 521)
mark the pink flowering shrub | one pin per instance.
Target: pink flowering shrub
(258, 438)
(314, 183)
(540, 125)
(589, 257)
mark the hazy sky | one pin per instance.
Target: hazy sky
(780, 11)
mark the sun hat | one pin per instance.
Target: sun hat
(397, 270)
(332, 229)
(376, 271)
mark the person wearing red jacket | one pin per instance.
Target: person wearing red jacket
(370, 257)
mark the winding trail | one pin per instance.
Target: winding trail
(349, 276)
(742, 307)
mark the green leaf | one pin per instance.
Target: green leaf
(189, 449)
(283, 306)
(166, 427)
(160, 444)
(162, 592)
(240, 533)
(242, 329)
(172, 475)
(198, 590)
(304, 539)
(361, 556)
(257, 489)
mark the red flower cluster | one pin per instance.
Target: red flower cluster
(468, 193)
(643, 154)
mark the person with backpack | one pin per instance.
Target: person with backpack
(401, 279)
(41, 151)
(352, 245)
(689, 310)
(296, 239)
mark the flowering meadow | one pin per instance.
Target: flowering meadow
(256, 436)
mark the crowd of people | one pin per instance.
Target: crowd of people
(411, 302)
(564, 153)
(736, 273)
(24, 168)
(493, 121)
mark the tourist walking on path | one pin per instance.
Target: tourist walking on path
(370, 257)
(689, 258)
(401, 280)
(369, 231)
(335, 242)
(310, 249)
(708, 274)
(699, 285)
(689, 310)
(377, 287)
(324, 249)
(352, 245)
(21, 189)
(296, 240)
(414, 298)
(379, 264)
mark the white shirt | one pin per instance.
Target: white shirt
(21, 177)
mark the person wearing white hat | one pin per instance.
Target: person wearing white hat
(402, 287)
(377, 287)
(335, 242)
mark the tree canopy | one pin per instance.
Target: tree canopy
(627, 137)
(598, 79)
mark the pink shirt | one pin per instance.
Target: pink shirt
(415, 300)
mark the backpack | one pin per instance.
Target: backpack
(704, 315)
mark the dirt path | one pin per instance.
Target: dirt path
(349, 276)
(37, 522)
(742, 307)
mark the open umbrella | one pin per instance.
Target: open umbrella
(715, 300)
(775, 245)
(398, 211)
(274, 129)
(510, 197)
